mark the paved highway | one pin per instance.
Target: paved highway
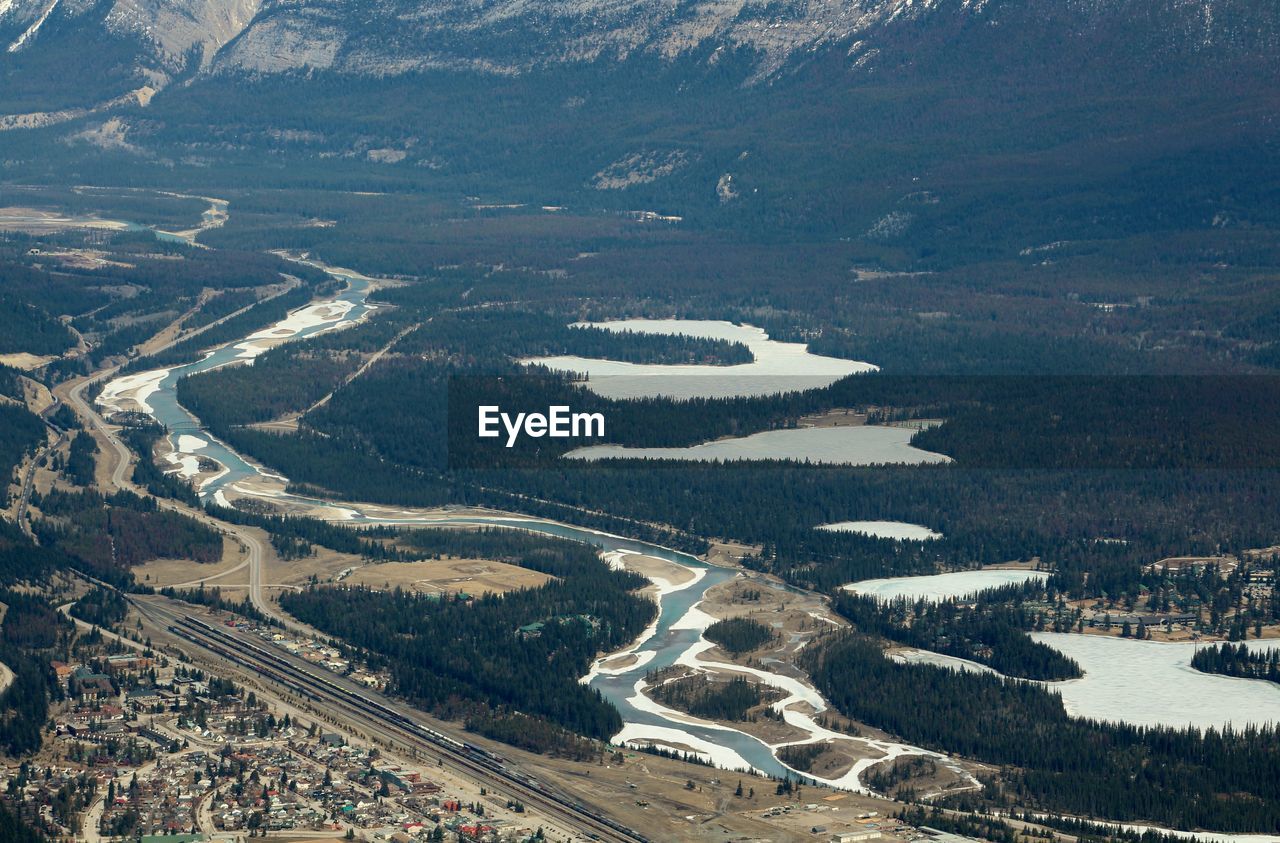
(384, 717)
(379, 715)
(122, 459)
(28, 480)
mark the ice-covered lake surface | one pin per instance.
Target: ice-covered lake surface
(1152, 683)
(778, 366)
(1144, 683)
(938, 587)
(862, 445)
(883, 530)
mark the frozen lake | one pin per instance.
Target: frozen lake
(1150, 683)
(938, 587)
(1144, 683)
(883, 530)
(862, 445)
(778, 366)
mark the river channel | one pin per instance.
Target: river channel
(675, 636)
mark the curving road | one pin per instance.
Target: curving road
(72, 393)
(28, 480)
(566, 809)
(158, 613)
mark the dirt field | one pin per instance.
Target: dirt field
(23, 360)
(620, 662)
(183, 572)
(473, 576)
(37, 395)
(83, 259)
(655, 795)
(288, 424)
(793, 615)
(325, 564)
(39, 221)
(730, 554)
(1225, 564)
(834, 418)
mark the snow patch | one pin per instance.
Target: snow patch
(883, 529)
(33, 29)
(938, 587)
(117, 395)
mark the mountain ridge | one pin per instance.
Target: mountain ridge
(392, 37)
(908, 123)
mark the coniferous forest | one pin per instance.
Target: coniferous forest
(739, 635)
(138, 531)
(989, 631)
(732, 700)
(484, 658)
(1238, 660)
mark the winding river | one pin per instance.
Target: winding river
(674, 638)
(156, 391)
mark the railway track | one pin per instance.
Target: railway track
(477, 761)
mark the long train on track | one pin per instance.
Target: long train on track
(281, 670)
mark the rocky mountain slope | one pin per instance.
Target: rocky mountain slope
(389, 37)
(170, 33)
(755, 113)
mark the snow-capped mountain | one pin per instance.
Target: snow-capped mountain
(388, 37)
(454, 85)
(170, 33)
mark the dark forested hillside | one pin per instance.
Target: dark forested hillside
(100, 607)
(31, 633)
(14, 830)
(24, 327)
(139, 531)
(21, 560)
(986, 516)
(21, 432)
